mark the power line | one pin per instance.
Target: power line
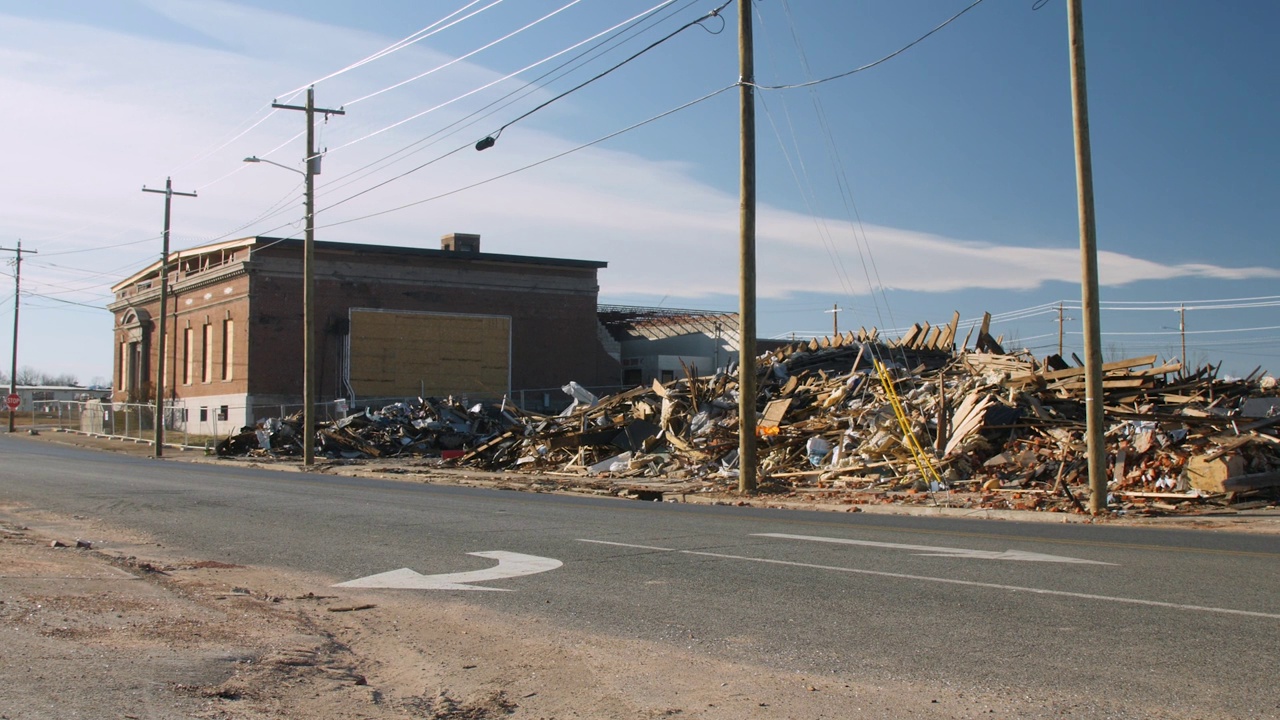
(65, 302)
(530, 165)
(501, 79)
(416, 37)
(882, 60)
(488, 140)
(460, 58)
(528, 88)
(104, 247)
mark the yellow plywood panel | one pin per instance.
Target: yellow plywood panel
(399, 353)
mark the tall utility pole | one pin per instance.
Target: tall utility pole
(1095, 439)
(1061, 321)
(17, 286)
(1182, 330)
(168, 192)
(309, 279)
(747, 252)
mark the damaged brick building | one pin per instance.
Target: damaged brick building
(390, 322)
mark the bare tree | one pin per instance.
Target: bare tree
(28, 375)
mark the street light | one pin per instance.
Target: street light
(308, 313)
(256, 159)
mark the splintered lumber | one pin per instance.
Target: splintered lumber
(496, 441)
(967, 419)
(1128, 364)
(915, 332)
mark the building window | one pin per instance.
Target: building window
(188, 356)
(668, 375)
(206, 358)
(222, 412)
(204, 414)
(228, 332)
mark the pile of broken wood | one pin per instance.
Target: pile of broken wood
(854, 419)
(430, 426)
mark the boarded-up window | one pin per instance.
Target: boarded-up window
(188, 354)
(228, 331)
(403, 354)
(206, 363)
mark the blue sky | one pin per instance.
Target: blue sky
(941, 180)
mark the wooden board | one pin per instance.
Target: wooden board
(406, 354)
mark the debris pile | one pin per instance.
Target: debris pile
(854, 419)
(429, 427)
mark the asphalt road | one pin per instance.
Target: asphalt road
(1134, 620)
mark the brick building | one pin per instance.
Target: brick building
(390, 322)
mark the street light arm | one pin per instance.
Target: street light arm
(256, 159)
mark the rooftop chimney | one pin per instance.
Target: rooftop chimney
(461, 242)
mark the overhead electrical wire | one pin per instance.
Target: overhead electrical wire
(528, 88)
(102, 247)
(631, 20)
(712, 14)
(858, 229)
(416, 37)
(460, 58)
(292, 94)
(504, 79)
(870, 65)
(505, 99)
(1215, 331)
(557, 156)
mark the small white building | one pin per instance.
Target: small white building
(44, 398)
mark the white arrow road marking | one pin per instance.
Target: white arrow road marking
(509, 565)
(948, 581)
(929, 551)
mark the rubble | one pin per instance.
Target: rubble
(855, 419)
(429, 427)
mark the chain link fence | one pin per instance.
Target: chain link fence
(204, 426)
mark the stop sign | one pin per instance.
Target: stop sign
(12, 401)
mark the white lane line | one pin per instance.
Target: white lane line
(953, 581)
(931, 551)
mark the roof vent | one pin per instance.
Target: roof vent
(461, 242)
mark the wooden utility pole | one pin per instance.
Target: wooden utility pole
(168, 192)
(1061, 320)
(1095, 438)
(309, 279)
(1182, 330)
(835, 320)
(17, 286)
(747, 256)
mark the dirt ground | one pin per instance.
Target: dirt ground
(118, 626)
(125, 628)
